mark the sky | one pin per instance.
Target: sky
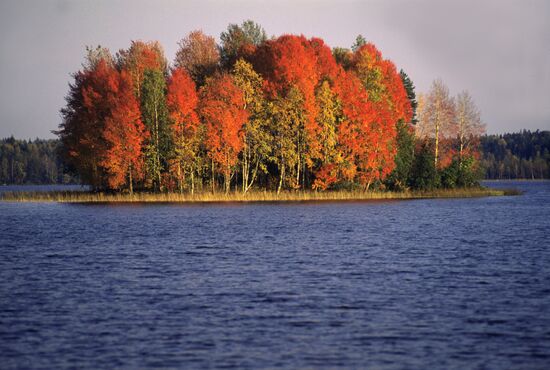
(498, 50)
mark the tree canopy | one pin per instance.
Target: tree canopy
(280, 113)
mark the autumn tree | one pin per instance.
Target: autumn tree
(290, 63)
(257, 137)
(469, 126)
(198, 54)
(123, 134)
(353, 130)
(236, 38)
(290, 111)
(89, 102)
(222, 108)
(96, 55)
(287, 113)
(182, 101)
(342, 56)
(328, 117)
(155, 117)
(138, 58)
(388, 98)
(404, 158)
(437, 118)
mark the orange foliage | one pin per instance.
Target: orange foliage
(182, 102)
(139, 57)
(124, 132)
(326, 64)
(103, 132)
(223, 112)
(290, 61)
(325, 177)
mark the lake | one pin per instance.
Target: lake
(425, 284)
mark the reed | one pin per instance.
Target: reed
(254, 196)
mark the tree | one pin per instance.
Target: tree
(182, 101)
(288, 112)
(359, 42)
(96, 55)
(328, 115)
(238, 37)
(140, 57)
(354, 131)
(257, 137)
(89, 103)
(386, 93)
(124, 133)
(404, 159)
(343, 57)
(424, 174)
(326, 65)
(155, 117)
(290, 63)
(469, 125)
(222, 110)
(198, 54)
(411, 95)
(437, 117)
(367, 65)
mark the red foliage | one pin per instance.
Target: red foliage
(326, 64)
(98, 88)
(290, 61)
(223, 112)
(182, 102)
(325, 177)
(124, 133)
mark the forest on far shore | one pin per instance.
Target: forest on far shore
(521, 155)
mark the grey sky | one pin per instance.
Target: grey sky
(498, 50)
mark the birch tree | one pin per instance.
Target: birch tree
(468, 123)
(437, 118)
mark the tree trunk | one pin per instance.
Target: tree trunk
(282, 175)
(212, 181)
(192, 182)
(130, 178)
(180, 179)
(436, 154)
(248, 186)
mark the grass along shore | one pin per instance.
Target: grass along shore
(254, 196)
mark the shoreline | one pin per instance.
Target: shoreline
(255, 196)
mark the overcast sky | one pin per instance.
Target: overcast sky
(498, 50)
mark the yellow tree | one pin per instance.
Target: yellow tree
(288, 117)
(257, 138)
(328, 115)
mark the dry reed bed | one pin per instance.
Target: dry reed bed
(256, 196)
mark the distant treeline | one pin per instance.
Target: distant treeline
(522, 155)
(32, 162)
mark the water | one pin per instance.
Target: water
(447, 284)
